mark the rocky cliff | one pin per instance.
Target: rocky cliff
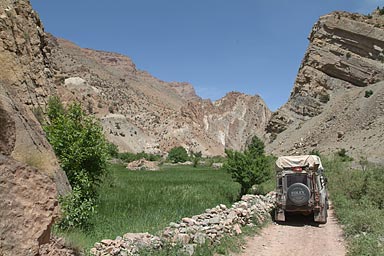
(25, 85)
(30, 176)
(232, 120)
(327, 109)
(142, 113)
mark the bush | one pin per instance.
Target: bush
(196, 157)
(358, 205)
(314, 152)
(342, 154)
(178, 155)
(112, 149)
(77, 208)
(249, 167)
(381, 10)
(79, 143)
(368, 93)
(348, 55)
(130, 157)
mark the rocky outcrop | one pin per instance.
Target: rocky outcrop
(185, 90)
(30, 176)
(343, 60)
(232, 120)
(345, 51)
(143, 165)
(28, 208)
(24, 87)
(207, 228)
(56, 247)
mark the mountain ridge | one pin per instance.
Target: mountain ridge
(145, 113)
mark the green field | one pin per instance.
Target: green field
(358, 199)
(147, 201)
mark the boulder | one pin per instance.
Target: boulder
(28, 207)
(143, 165)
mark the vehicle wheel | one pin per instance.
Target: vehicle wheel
(322, 216)
(299, 194)
(279, 215)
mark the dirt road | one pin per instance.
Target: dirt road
(299, 236)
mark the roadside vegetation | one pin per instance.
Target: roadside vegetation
(79, 143)
(358, 199)
(250, 168)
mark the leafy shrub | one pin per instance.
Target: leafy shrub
(358, 204)
(314, 152)
(368, 93)
(77, 207)
(249, 167)
(208, 161)
(112, 150)
(348, 55)
(195, 157)
(178, 155)
(342, 154)
(381, 10)
(79, 143)
(130, 157)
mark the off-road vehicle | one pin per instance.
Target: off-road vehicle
(301, 187)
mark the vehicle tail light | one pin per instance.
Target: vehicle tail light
(297, 169)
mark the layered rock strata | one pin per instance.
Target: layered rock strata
(343, 60)
(345, 51)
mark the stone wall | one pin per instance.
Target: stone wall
(209, 227)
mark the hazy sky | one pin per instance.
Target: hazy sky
(251, 46)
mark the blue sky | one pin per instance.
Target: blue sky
(251, 46)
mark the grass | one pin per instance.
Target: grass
(358, 199)
(145, 201)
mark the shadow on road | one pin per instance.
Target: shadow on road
(298, 220)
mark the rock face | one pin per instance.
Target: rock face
(232, 120)
(142, 113)
(30, 176)
(28, 208)
(343, 60)
(24, 87)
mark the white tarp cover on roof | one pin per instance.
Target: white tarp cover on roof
(295, 161)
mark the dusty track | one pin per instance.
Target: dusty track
(299, 236)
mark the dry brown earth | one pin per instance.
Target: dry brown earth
(299, 236)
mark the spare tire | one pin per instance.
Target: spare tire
(298, 194)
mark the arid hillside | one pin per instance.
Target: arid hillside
(142, 113)
(337, 100)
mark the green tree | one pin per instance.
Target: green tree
(195, 157)
(79, 143)
(178, 155)
(250, 167)
(113, 150)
